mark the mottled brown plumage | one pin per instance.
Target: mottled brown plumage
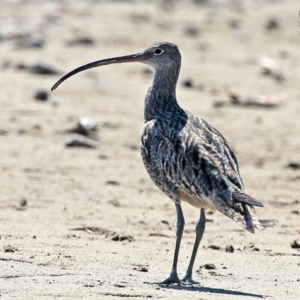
(187, 158)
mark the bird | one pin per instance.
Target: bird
(187, 158)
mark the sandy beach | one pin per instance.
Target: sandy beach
(79, 216)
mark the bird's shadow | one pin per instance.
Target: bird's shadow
(204, 289)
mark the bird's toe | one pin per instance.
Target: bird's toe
(187, 280)
(173, 279)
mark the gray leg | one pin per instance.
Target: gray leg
(199, 233)
(180, 225)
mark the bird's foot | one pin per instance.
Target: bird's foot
(173, 279)
(187, 280)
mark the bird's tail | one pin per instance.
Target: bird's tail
(241, 197)
(241, 211)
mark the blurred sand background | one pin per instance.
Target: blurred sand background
(54, 197)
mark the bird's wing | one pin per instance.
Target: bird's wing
(199, 160)
(196, 160)
(215, 144)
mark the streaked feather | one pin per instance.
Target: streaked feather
(188, 159)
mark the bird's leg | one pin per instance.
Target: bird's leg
(199, 233)
(180, 225)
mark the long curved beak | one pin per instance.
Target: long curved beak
(139, 57)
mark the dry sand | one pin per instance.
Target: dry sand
(41, 255)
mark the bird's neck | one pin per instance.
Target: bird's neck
(161, 96)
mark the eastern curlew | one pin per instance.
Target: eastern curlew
(188, 159)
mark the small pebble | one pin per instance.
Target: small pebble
(295, 245)
(122, 237)
(42, 69)
(86, 127)
(210, 267)
(187, 83)
(77, 140)
(87, 41)
(214, 247)
(112, 182)
(10, 249)
(141, 269)
(229, 248)
(23, 202)
(294, 164)
(41, 95)
(272, 24)
(88, 124)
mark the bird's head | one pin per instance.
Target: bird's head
(160, 56)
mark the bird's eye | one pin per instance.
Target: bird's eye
(158, 51)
